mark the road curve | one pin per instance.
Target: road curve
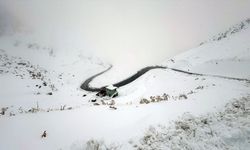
(85, 85)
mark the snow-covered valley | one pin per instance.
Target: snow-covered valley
(40, 91)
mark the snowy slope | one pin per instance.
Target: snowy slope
(71, 119)
(226, 54)
(32, 72)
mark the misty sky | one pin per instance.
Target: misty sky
(124, 32)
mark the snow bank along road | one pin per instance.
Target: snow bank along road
(87, 87)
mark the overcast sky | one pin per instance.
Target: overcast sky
(125, 32)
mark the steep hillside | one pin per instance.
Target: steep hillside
(226, 54)
(40, 91)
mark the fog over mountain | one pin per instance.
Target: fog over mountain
(124, 33)
(124, 74)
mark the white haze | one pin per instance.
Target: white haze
(127, 33)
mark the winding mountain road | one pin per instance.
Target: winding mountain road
(85, 85)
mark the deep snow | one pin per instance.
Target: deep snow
(71, 119)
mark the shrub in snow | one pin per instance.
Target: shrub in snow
(63, 107)
(234, 29)
(164, 97)
(182, 96)
(144, 101)
(222, 130)
(95, 145)
(199, 87)
(3, 110)
(25, 69)
(33, 110)
(50, 93)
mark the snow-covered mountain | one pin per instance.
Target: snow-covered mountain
(40, 91)
(227, 54)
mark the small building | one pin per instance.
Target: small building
(110, 91)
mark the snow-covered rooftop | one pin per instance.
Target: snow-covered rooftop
(111, 87)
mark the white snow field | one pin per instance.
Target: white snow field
(163, 109)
